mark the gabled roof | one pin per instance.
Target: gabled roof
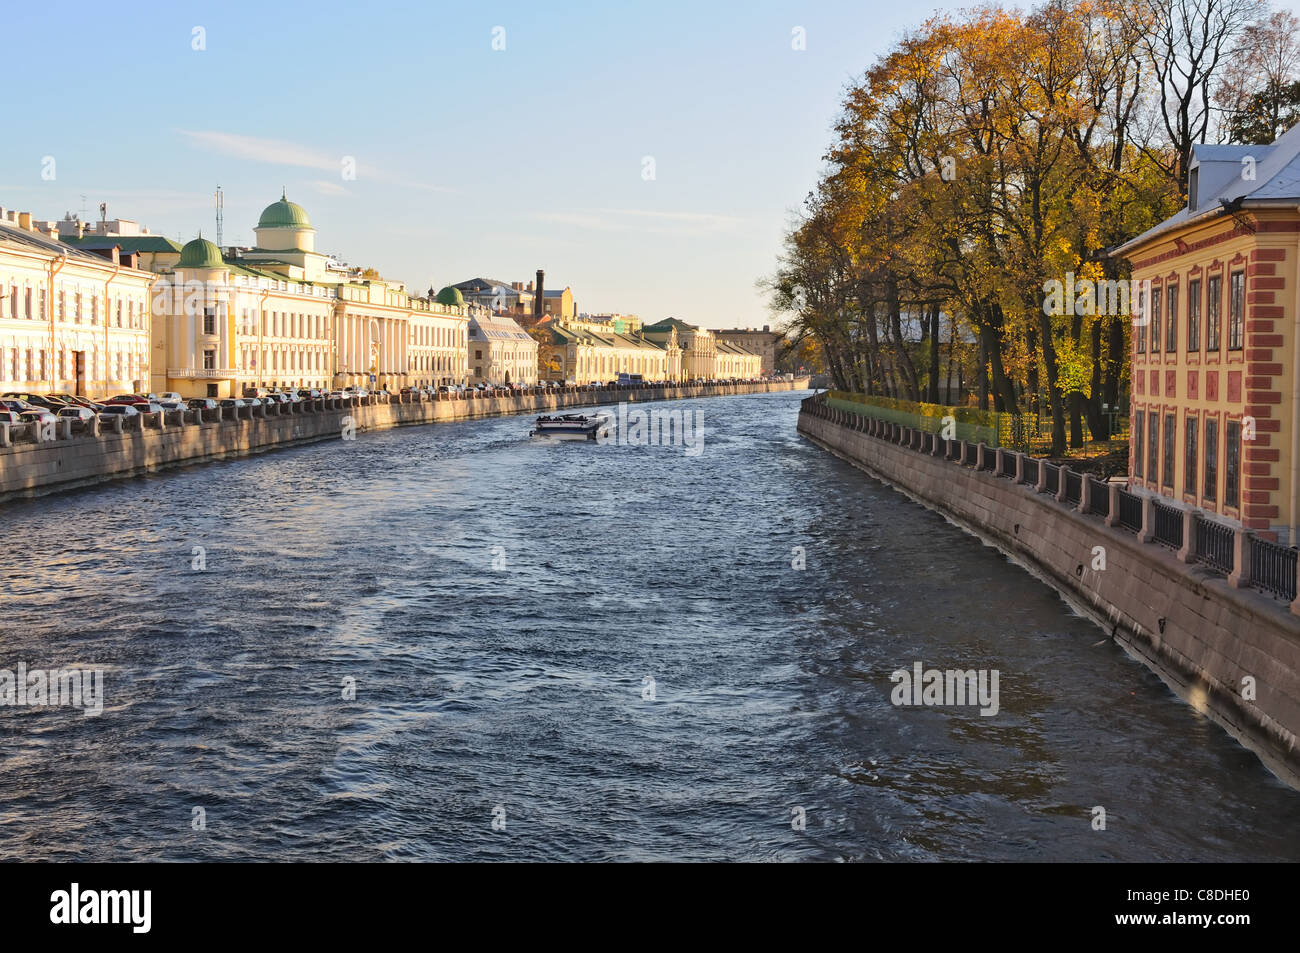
(485, 284)
(1276, 181)
(129, 244)
(669, 323)
(44, 243)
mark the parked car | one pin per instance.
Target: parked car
(37, 415)
(119, 410)
(171, 404)
(170, 397)
(9, 417)
(201, 403)
(234, 402)
(48, 401)
(310, 393)
(77, 412)
(16, 404)
(128, 399)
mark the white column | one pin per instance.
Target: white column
(222, 334)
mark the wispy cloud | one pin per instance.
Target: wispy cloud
(283, 152)
(644, 220)
(276, 151)
(326, 187)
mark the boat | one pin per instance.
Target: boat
(570, 426)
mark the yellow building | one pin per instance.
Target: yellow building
(698, 346)
(736, 363)
(761, 342)
(282, 315)
(1214, 399)
(569, 353)
(71, 321)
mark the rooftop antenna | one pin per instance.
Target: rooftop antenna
(83, 208)
(103, 211)
(220, 201)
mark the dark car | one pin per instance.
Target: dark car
(48, 401)
(119, 410)
(201, 403)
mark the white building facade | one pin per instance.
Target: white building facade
(499, 350)
(71, 322)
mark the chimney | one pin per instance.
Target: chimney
(25, 221)
(539, 303)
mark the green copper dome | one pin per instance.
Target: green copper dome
(451, 296)
(284, 214)
(200, 253)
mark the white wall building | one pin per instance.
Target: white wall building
(500, 351)
(71, 322)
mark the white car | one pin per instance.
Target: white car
(77, 413)
(171, 397)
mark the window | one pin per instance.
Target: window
(1231, 462)
(1211, 460)
(1212, 306)
(1139, 335)
(1171, 344)
(1189, 457)
(1139, 432)
(1194, 314)
(1155, 320)
(1171, 440)
(1153, 447)
(209, 321)
(1236, 312)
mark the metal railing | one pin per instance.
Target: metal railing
(1130, 510)
(1169, 525)
(1052, 472)
(1073, 487)
(1214, 544)
(1098, 497)
(1029, 475)
(1272, 568)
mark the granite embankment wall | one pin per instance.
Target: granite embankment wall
(1203, 632)
(71, 455)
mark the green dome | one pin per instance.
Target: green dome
(200, 253)
(284, 214)
(451, 296)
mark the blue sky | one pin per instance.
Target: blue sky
(469, 161)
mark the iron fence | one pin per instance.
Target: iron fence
(1073, 487)
(1098, 497)
(1214, 544)
(1130, 510)
(1169, 525)
(1272, 568)
(1053, 473)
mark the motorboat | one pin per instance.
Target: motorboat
(570, 426)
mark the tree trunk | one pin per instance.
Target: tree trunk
(933, 395)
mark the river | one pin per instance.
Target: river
(449, 642)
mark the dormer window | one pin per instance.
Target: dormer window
(1191, 189)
